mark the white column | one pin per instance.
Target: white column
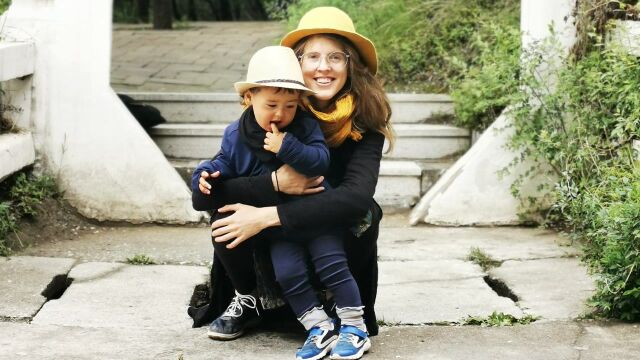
(106, 164)
(471, 192)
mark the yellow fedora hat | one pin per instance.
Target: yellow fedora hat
(331, 20)
(275, 66)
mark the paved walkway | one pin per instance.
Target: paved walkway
(428, 288)
(204, 57)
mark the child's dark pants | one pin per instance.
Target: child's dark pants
(330, 262)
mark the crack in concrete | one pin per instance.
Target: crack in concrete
(103, 275)
(432, 281)
(19, 319)
(575, 344)
(566, 256)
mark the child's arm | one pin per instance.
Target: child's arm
(221, 162)
(308, 156)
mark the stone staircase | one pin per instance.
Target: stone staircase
(423, 150)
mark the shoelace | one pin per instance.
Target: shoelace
(350, 338)
(312, 339)
(235, 309)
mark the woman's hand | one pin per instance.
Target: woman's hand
(203, 184)
(243, 224)
(291, 182)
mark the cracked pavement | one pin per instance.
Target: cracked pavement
(427, 288)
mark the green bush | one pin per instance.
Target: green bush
(584, 128)
(485, 89)
(423, 45)
(4, 5)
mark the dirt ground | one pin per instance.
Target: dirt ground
(56, 221)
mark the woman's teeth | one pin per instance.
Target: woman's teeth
(323, 80)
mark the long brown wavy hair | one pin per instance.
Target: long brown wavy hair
(372, 109)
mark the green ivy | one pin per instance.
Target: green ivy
(583, 128)
(485, 89)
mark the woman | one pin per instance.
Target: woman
(353, 112)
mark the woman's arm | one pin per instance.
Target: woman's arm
(254, 190)
(349, 201)
(342, 206)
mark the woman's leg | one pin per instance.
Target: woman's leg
(244, 309)
(238, 262)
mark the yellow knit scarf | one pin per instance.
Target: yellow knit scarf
(337, 125)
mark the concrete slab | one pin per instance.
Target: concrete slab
(24, 278)
(504, 243)
(539, 341)
(125, 296)
(427, 292)
(611, 340)
(551, 288)
(165, 244)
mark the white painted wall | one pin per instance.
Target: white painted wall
(106, 164)
(471, 192)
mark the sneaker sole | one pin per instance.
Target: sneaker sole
(224, 337)
(227, 337)
(358, 355)
(323, 353)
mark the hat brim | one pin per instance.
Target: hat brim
(242, 86)
(364, 46)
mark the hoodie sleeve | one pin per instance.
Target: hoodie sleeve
(307, 151)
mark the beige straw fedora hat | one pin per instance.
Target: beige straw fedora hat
(275, 66)
(331, 20)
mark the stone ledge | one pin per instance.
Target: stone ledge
(16, 60)
(16, 152)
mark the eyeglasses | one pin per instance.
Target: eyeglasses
(337, 60)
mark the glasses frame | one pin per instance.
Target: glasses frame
(346, 63)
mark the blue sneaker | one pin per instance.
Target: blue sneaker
(352, 343)
(318, 344)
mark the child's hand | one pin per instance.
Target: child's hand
(203, 184)
(273, 140)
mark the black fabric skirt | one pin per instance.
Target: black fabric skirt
(362, 256)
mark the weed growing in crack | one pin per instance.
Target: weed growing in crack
(382, 322)
(140, 259)
(499, 319)
(486, 262)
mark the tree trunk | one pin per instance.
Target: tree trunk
(248, 10)
(176, 11)
(162, 14)
(142, 10)
(192, 14)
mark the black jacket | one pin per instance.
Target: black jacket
(353, 174)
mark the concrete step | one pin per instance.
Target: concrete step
(399, 184)
(414, 141)
(225, 107)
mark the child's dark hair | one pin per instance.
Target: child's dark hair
(255, 90)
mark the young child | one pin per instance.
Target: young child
(272, 131)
